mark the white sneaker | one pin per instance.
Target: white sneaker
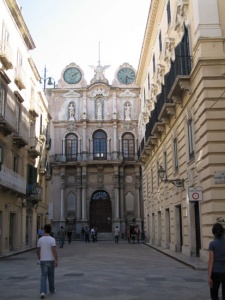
(42, 295)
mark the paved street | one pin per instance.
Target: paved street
(107, 271)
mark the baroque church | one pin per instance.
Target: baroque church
(96, 175)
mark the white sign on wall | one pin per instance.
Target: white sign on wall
(195, 193)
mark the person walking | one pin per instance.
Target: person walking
(93, 234)
(117, 233)
(69, 235)
(138, 233)
(61, 235)
(216, 262)
(47, 255)
(86, 234)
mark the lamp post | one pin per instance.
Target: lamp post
(177, 182)
(50, 80)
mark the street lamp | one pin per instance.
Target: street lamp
(177, 182)
(50, 80)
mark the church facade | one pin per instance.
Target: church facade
(94, 161)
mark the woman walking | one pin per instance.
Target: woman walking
(216, 263)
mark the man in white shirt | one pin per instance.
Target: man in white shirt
(46, 253)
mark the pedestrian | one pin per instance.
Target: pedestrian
(93, 234)
(216, 262)
(128, 233)
(86, 234)
(40, 232)
(69, 235)
(138, 233)
(61, 235)
(117, 233)
(47, 255)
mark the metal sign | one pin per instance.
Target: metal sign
(195, 193)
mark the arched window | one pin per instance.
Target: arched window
(99, 145)
(71, 147)
(128, 146)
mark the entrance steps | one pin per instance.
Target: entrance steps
(105, 236)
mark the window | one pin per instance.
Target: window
(165, 163)
(160, 41)
(15, 164)
(100, 145)
(2, 101)
(5, 39)
(149, 81)
(19, 59)
(190, 140)
(175, 155)
(128, 146)
(153, 63)
(17, 115)
(168, 13)
(71, 147)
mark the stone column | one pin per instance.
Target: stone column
(91, 149)
(116, 193)
(79, 206)
(115, 156)
(63, 150)
(84, 194)
(62, 192)
(84, 141)
(108, 149)
(122, 194)
(137, 192)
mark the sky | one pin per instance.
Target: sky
(79, 31)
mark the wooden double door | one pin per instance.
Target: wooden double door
(101, 212)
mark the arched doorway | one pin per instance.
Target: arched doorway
(101, 211)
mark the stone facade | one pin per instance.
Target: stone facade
(24, 140)
(182, 123)
(96, 173)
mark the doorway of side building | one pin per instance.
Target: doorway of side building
(101, 211)
(12, 231)
(197, 229)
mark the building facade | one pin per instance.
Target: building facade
(182, 123)
(24, 138)
(95, 168)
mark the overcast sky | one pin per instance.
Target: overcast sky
(66, 31)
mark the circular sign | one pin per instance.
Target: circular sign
(195, 196)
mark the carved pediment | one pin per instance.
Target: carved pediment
(99, 92)
(181, 15)
(127, 94)
(169, 50)
(71, 94)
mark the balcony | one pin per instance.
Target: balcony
(35, 147)
(12, 181)
(7, 120)
(176, 81)
(48, 143)
(6, 56)
(33, 108)
(20, 78)
(20, 138)
(33, 195)
(93, 157)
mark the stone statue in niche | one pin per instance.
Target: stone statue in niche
(99, 109)
(127, 111)
(71, 111)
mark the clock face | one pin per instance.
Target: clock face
(72, 75)
(126, 75)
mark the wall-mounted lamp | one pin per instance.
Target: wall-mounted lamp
(177, 182)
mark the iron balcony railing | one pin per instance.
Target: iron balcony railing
(123, 156)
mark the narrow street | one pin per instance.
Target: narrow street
(107, 271)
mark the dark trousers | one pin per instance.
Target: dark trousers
(217, 279)
(116, 239)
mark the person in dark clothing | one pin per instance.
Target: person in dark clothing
(69, 235)
(86, 235)
(216, 262)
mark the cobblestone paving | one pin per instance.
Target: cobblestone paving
(105, 271)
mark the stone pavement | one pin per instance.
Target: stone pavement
(107, 271)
